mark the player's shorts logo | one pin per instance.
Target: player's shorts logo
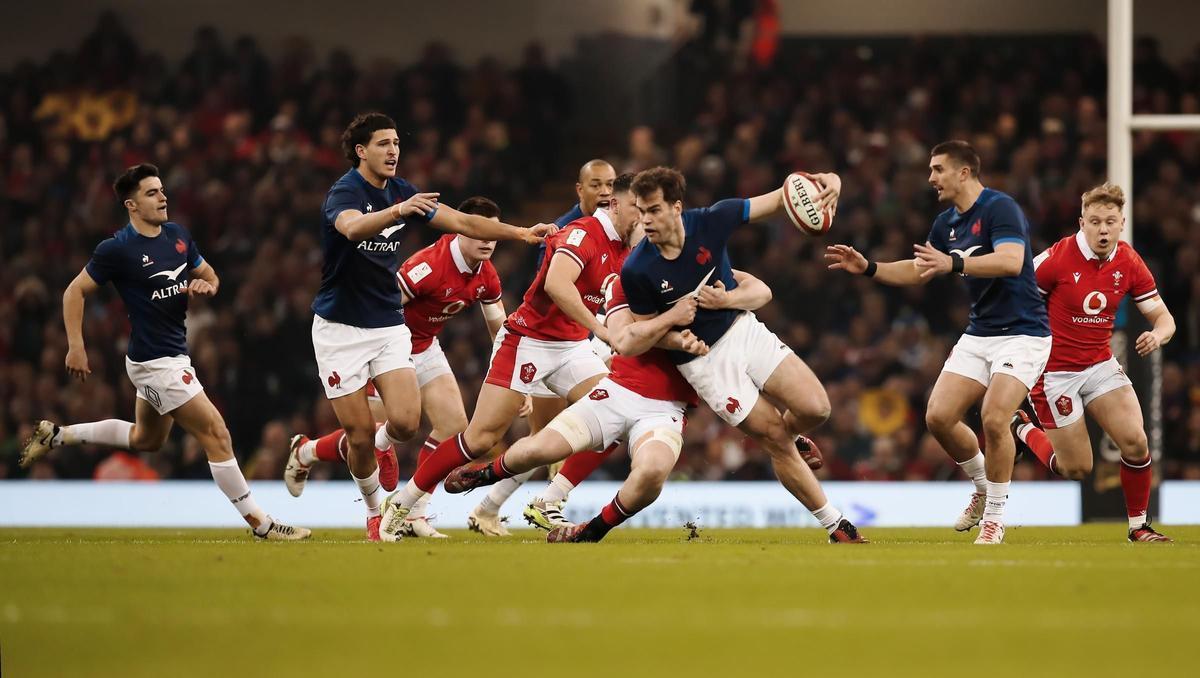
(152, 396)
(732, 405)
(1094, 303)
(598, 394)
(528, 372)
(1064, 406)
(334, 380)
(704, 256)
(187, 377)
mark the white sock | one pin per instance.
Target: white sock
(307, 454)
(421, 506)
(409, 495)
(829, 517)
(111, 432)
(228, 476)
(974, 468)
(558, 489)
(993, 506)
(383, 441)
(372, 491)
(1137, 521)
(501, 491)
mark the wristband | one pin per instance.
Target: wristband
(871, 268)
(956, 263)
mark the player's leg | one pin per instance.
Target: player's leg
(353, 412)
(953, 394)
(333, 447)
(442, 404)
(1119, 414)
(485, 517)
(653, 455)
(199, 417)
(1004, 395)
(797, 392)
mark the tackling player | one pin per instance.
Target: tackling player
(543, 344)
(436, 283)
(155, 266)
(358, 327)
(685, 251)
(983, 237)
(1084, 278)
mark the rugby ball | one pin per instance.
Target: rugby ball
(800, 203)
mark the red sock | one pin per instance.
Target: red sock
(331, 446)
(614, 513)
(427, 450)
(499, 469)
(579, 466)
(1135, 483)
(449, 455)
(1039, 442)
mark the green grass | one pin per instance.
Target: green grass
(1070, 601)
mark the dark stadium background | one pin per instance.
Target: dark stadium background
(245, 122)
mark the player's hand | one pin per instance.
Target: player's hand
(198, 287)
(1147, 343)
(683, 312)
(420, 204)
(831, 189)
(526, 407)
(931, 262)
(715, 296)
(539, 232)
(77, 363)
(690, 343)
(845, 258)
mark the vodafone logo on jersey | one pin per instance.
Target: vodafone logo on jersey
(1093, 305)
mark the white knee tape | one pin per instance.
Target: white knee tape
(573, 428)
(668, 437)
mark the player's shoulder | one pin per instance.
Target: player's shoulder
(402, 185)
(1127, 251)
(642, 255)
(942, 220)
(571, 215)
(999, 202)
(1054, 255)
(176, 229)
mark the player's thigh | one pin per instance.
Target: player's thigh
(150, 429)
(764, 422)
(657, 441)
(401, 396)
(201, 418)
(544, 410)
(442, 403)
(494, 411)
(1119, 414)
(952, 395)
(1004, 395)
(353, 412)
(793, 386)
(1072, 446)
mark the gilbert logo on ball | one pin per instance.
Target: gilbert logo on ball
(800, 203)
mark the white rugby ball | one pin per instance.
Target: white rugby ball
(800, 203)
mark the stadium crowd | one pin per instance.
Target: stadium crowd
(249, 145)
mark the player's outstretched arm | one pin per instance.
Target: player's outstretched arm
(204, 281)
(481, 228)
(895, 273)
(357, 226)
(769, 204)
(560, 286)
(634, 335)
(73, 300)
(750, 294)
(1006, 261)
(1162, 322)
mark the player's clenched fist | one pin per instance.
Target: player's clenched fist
(683, 312)
(692, 344)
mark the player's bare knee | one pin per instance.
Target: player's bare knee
(995, 423)
(939, 421)
(360, 437)
(1135, 448)
(141, 441)
(403, 429)
(1074, 470)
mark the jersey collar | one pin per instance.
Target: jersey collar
(606, 221)
(1088, 254)
(459, 260)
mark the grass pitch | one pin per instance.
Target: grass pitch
(1063, 601)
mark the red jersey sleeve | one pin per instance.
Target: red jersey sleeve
(1142, 287)
(579, 244)
(615, 298)
(416, 275)
(491, 284)
(1046, 271)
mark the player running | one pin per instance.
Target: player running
(155, 266)
(984, 237)
(436, 283)
(685, 251)
(1084, 278)
(543, 344)
(593, 188)
(358, 328)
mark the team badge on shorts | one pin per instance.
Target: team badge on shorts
(528, 372)
(334, 380)
(187, 377)
(598, 394)
(732, 405)
(1064, 405)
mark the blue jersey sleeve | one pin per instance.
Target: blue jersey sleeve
(340, 199)
(641, 300)
(1006, 223)
(105, 262)
(724, 216)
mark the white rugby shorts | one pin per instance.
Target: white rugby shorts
(979, 358)
(541, 368)
(733, 373)
(348, 356)
(1060, 398)
(165, 383)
